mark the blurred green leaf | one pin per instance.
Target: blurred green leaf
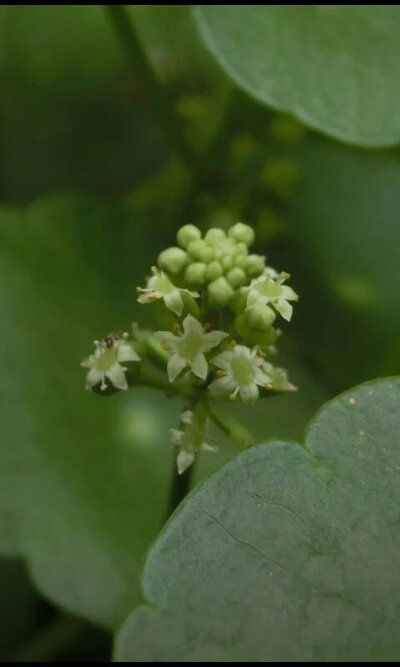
(346, 220)
(345, 234)
(17, 606)
(288, 553)
(84, 479)
(173, 45)
(71, 113)
(334, 67)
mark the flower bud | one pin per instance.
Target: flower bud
(214, 235)
(219, 292)
(200, 251)
(262, 337)
(187, 234)
(173, 260)
(213, 271)
(189, 304)
(240, 261)
(236, 277)
(254, 265)
(259, 316)
(226, 248)
(238, 302)
(241, 232)
(226, 262)
(195, 274)
(241, 248)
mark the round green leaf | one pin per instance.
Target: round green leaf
(335, 67)
(289, 553)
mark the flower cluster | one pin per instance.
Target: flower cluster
(225, 301)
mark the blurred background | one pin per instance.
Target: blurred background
(108, 146)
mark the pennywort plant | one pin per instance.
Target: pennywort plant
(224, 303)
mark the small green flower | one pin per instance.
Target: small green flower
(279, 379)
(269, 288)
(189, 348)
(189, 441)
(159, 286)
(241, 372)
(106, 361)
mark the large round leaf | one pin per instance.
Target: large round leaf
(335, 67)
(288, 553)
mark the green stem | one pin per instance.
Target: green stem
(51, 642)
(152, 87)
(150, 376)
(232, 428)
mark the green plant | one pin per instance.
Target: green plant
(178, 510)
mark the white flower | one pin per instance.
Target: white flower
(105, 363)
(159, 286)
(241, 372)
(189, 348)
(269, 288)
(279, 379)
(189, 441)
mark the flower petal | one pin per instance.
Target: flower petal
(146, 296)
(116, 375)
(223, 360)
(261, 378)
(289, 294)
(195, 295)
(223, 385)
(166, 336)
(176, 436)
(184, 460)
(125, 352)
(284, 308)
(93, 377)
(249, 393)
(214, 338)
(187, 417)
(207, 447)
(174, 302)
(191, 324)
(254, 297)
(175, 365)
(200, 366)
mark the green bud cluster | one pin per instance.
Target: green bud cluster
(221, 268)
(220, 262)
